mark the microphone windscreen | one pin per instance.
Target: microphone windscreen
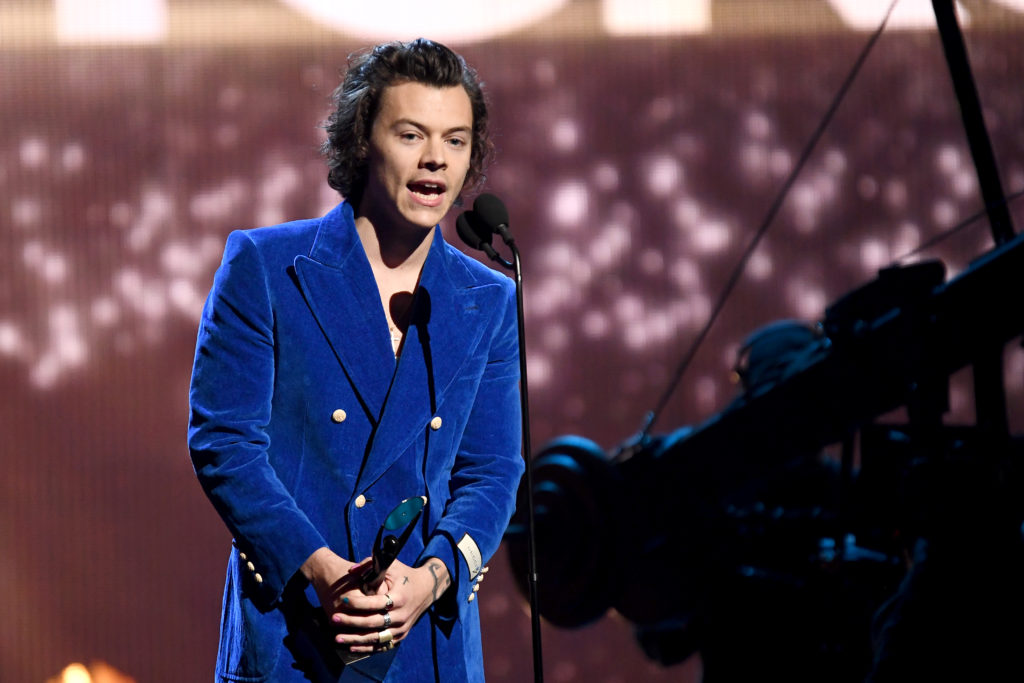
(491, 210)
(466, 231)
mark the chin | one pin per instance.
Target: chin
(421, 223)
(427, 218)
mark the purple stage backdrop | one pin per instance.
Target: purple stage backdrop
(640, 144)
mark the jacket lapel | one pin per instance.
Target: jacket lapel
(451, 312)
(339, 287)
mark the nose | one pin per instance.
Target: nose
(433, 155)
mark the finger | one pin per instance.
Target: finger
(356, 604)
(357, 601)
(370, 581)
(361, 566)
(370, 650)
(344, 584)
(371, 642)
(376, 621)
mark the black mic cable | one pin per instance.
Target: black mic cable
(632, 445)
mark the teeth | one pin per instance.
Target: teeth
(426, 188)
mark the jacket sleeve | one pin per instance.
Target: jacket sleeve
(230, 408)
(486, 473)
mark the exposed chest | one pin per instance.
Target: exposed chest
(396, 288)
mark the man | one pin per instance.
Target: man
(347, 363)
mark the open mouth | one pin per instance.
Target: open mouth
(427, 189)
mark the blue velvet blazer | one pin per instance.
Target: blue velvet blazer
(304, 432)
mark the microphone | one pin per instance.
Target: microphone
(494, 215)
(477, 235)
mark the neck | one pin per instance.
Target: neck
(394, 248)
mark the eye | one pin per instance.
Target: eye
(408, 137)
(457, 142)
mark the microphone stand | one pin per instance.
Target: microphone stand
(480, 238)
(524, 401)
(531, 553)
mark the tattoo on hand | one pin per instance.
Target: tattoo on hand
(405, 580)
(438, 581)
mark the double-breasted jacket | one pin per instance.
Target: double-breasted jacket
(305, 431)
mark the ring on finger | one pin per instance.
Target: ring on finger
(390, 603)
(385, 636)
(387, 619)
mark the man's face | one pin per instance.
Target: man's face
(419, 155)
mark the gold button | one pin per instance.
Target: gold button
(476, 587)
(259, 579)
(251, 566)
(339, 415)
(242, 557)
(471, 598)
(485, 570)
(360, 500)
(435, 424)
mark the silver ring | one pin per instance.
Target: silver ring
(385, 636)
(387, 619)
(390, 603)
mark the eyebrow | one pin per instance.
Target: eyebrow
(417, 124)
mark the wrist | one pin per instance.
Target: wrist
(436, 576)
(323, 563)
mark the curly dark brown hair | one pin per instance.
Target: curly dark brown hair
(357, 100)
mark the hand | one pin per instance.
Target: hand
(411, 591)
(332, 578)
